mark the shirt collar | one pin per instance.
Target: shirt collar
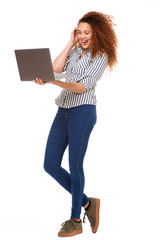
(87, 54)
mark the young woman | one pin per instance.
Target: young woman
(91, 49)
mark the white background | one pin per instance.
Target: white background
(122, 162)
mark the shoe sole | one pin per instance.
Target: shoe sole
(71, 234)
(97, 209)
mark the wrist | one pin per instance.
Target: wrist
(71, 44)
(55, 82)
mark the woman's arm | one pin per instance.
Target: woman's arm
(60, 61)
(73, 87)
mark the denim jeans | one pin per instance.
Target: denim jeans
(71, 127)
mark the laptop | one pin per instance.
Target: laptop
(37, 63)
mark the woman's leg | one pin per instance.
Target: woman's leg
(81, 121)
(56, 145)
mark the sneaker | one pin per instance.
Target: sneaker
(93, 213)
(70, 228)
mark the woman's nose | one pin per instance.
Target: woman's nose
(82, 35)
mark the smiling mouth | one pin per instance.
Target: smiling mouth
(84, 41)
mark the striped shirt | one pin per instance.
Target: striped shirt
(85, 70)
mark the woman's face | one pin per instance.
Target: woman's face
(85, 33)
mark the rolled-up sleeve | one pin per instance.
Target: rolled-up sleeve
(94, 72)
(68, 59)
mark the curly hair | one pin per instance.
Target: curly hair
(104, 36)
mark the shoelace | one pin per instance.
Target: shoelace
(66, 224)
(89, 217)
(84, 217)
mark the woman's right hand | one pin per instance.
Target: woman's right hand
(59, 62)
(74, 36)
(39, 81)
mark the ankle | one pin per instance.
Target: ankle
(87, 206)
(76, 220)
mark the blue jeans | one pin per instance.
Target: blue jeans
(71, 127)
